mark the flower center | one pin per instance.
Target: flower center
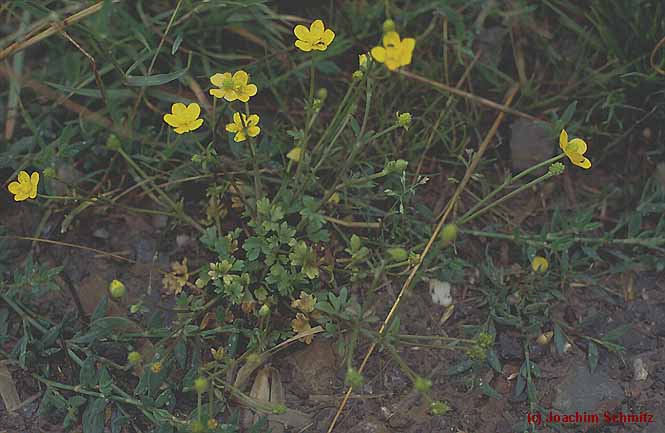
(228, 83)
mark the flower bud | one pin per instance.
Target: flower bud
(354, 378)
(212, 424)
(279, 409)
(449, 233)
(438, 408)
(404, 120)
(388, 26)
(156, 367)
(197, 427)
(322, 93)
(113, 142)
(544, 338)
(200, 385)
(422, 384)
(134, 358)
(539, 264)
(358, 75)
(117, 290)
(264, 311)
(295, 154)
(398, 254)
(362, 62)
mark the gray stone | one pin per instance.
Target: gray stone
(582, 391)
(530, 143)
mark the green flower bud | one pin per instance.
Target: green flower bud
(388, 26)
(395, 166)
(113, 142)
(422, 384)
(264, 311)
(134, 358)
(354, 378)
(279, 409)
(556, 168)
(200, 385)
(197, 427)
(438, 408)
(358, 75)
(398, 254)
(322, 93)
(449, 233)
(404, 120)
(117, 290)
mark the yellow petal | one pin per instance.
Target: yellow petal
(178, 109)
(23, 177)
(253, 131)
(34, 181)
(231, 95)
(253, 120)
(316, 29)
(240, 136)
(577, 145)
(218, 79)
(196, 124)
(295, 154)
(193, 111)
(408, 45)
(172, 120)
(14, 187)
(240, 78)
(181, 129)
(379, 54)
(328, 36)
(392, 63)
(580, 160)
(304, 46)
(236, 119)
(563, 139)
(251, 89)
(391, 39)
(301, 32)
(217, 93)
(232, 127)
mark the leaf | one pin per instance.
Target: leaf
(88, 373)
(105, 381)
(493, 360)
(489, 391)
(616, 332)
(100, 309)
(176, 43)
(460, 367)
(592, 356)
(520, 384)
(153, 80)
(118, 422)
(93, 417)
(559, 339)
(180, 352)
(568, 113)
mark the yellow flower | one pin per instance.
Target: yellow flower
(301, 324)
(232, 87)
(26, 187)
(574, 150)
(247, 125)
(295, 154)
(539, 264)
(156, 367)
(184, 118)
(362, 62)
(317, 37)
(334, 198)
(395, 52)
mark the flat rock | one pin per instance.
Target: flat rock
(582, 391)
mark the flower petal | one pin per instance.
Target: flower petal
(240, 136)
(181, 129)
(178, 109)
(232, 127)
(217, 93)
(172, 120)
(392, 63)
(196, 124)
(34, 181)
(301, 32)
(579, 160)
(391, 39)
(408, 45)
(379, 54)
(236, 119)
(251, 89)
(328, 36)
(23, 177)
(577, 145)
(303, 45)
(231, 95)
(316, 29)
(14, 187)
(563, 139)
(240, 78)
(253, 131)
(253, 120)
(193, 111)
(218, 79)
